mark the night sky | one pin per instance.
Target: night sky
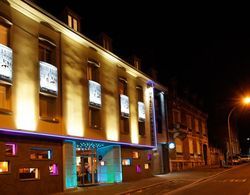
(206, 50)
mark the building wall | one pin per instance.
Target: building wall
(10, 183)
(136, 170)
(72, 100)
(179, 129)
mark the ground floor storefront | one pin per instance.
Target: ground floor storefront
(41, 165)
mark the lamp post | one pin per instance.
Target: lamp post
(229, 135)
(246, 101)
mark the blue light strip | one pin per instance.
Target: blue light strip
(153, 110)
(63, 137)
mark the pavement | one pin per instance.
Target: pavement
(171, 181)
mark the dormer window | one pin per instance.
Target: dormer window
(73, 22)
(72, 19)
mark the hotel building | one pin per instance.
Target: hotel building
(71, 112)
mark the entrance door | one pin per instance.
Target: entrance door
(86, 167)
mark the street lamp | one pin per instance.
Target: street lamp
(245, 101)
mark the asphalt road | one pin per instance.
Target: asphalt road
(233, 182)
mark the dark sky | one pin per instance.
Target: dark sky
(206, 50)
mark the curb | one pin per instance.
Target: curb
(180, 188)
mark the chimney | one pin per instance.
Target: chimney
(136, 62)
(105, 41)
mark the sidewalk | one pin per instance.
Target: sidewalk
(172, 180)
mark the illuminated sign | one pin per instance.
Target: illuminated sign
(141, 111)
(124, 100)
(48, 78)
(95, 94)
(171, 145)
(5, 63)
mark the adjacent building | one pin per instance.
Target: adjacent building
(188, 135)
(71, 112)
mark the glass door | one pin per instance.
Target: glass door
(86, 168)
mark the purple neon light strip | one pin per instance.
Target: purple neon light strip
(16, 132)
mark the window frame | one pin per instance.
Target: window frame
(98, 112)
(48, 98)
(124, 118)
(72, 19)
(49, 154)
(29, 179)
(9, 167)
(7, 84)
(141, 122)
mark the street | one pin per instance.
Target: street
(235, 181)
(160, 184)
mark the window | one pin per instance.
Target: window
(141, 111)
(4, 35)
(196, 125)
(146, 166)
(183, 118)
(179, 146)
(93, 73)
(93, 70)
(176, 116)
(29, 173)
(5, 97)
(191, 146)
(53, 169)
(47, 107)
(126, 162)
(73, 22)
(4, 167)
(5, 68)
(94, 118)
(139, 93)
(135, 154)
(47, 52)
(40, 154)
(10, 149)
(203, 128)
(189, 121)
(198, 147)
(123, 86)
(124, 106)
(48, 80)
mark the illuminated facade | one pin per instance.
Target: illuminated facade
(71, 112)
(188, 133)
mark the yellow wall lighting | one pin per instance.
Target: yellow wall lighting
(74, 110)
(112, 127)
(134, 125)
(25, 105)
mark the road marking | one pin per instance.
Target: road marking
(231, 180)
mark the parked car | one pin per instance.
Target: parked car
(245, 158)
(235, 160)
